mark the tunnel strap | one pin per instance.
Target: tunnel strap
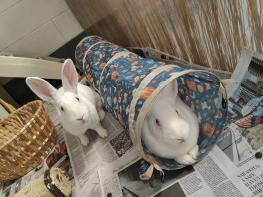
(114, 57)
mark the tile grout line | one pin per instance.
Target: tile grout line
(10, 6)
(35, 29)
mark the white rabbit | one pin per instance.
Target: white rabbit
(171, 129)
(76, 104)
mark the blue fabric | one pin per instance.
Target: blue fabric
(118, 80)
(82, 47)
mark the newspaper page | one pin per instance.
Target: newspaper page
(242, 140)
(207, 178)
(86, 160)
(121, 180)
(218, 176)
(109, 180)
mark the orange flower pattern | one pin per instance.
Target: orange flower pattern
(207, 129)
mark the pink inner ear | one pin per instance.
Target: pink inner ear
(69, 74)
(174, 85)
(43, 88)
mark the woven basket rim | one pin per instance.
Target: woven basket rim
(7, 106)
(40, 105)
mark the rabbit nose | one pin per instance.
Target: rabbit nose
(81, 119)
(182, 135)
(181, 140)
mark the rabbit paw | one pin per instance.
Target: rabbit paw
(190, 157)
(84, 140)
(186, 159)
(194, 152)
(102, 132)
(101, 114)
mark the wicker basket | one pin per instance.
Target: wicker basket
(26, 137)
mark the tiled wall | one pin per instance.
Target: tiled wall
(35, 27)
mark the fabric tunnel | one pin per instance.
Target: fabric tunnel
(128, 83)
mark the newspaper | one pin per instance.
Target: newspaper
(86, 160)
(207, 178)
(243, 135)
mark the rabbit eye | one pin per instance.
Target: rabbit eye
(157, 122)
(177, 112)
(77, 98)
(62, 108)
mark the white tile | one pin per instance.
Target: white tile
(5, 4)
(3, 44)
(6, 51)
(26, 16)
(67, 24)
(41, 42)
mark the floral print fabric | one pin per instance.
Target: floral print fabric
(117, 74)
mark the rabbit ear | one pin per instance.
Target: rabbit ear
(174, 87)
(170, 89)
(69, 76)
(42, 89)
